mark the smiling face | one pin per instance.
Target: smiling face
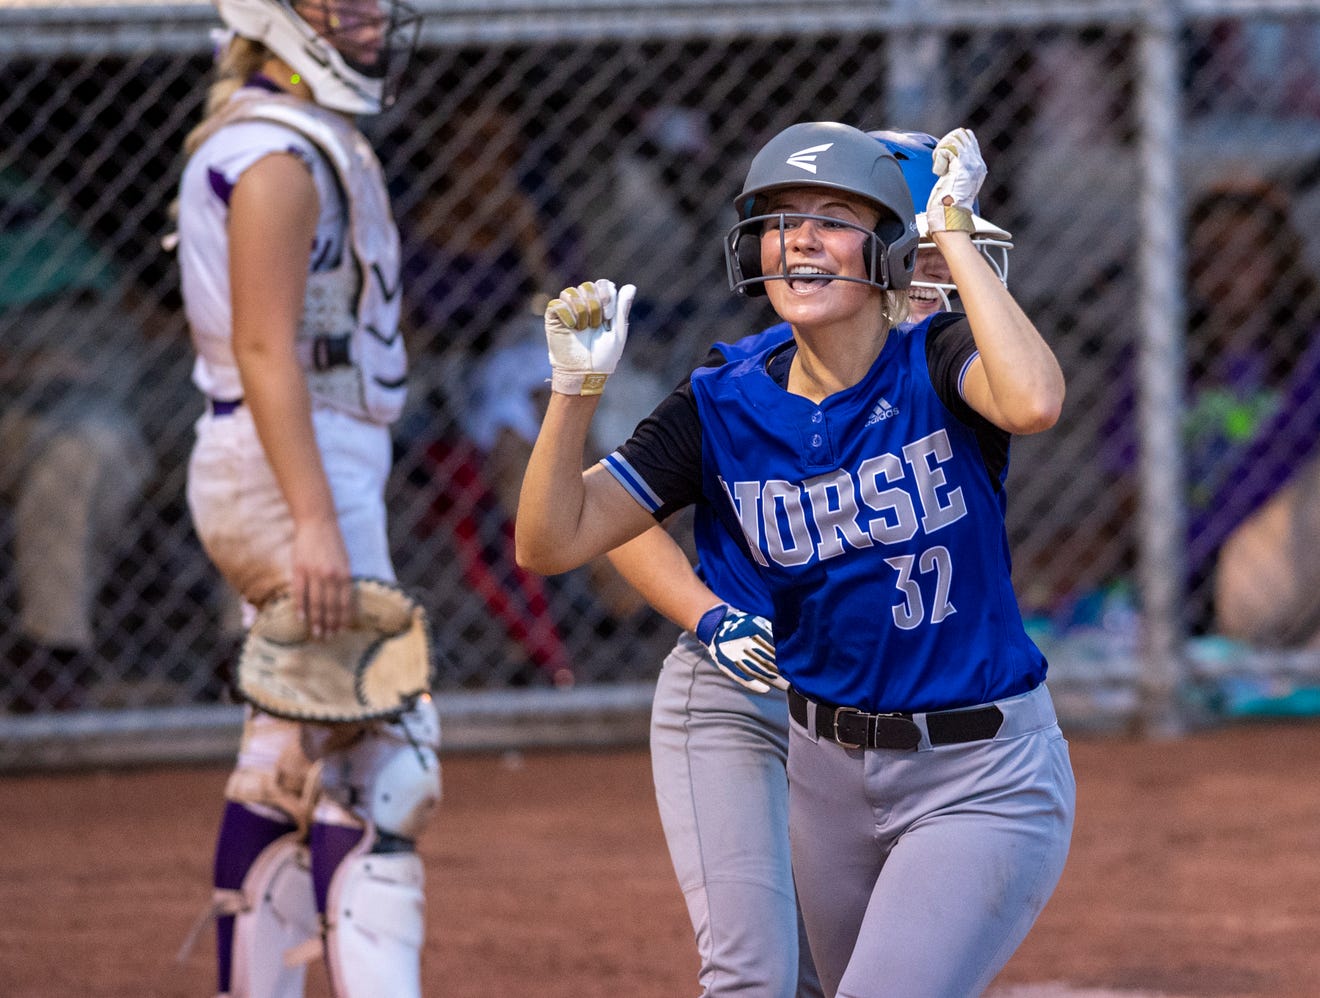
(931, 269)
(813, 251)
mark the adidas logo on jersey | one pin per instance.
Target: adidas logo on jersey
(882, 410)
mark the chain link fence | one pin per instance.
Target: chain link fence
(1157, 165)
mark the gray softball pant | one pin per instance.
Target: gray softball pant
(919, 872)
(718, 755)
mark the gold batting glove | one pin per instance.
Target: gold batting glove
(585, 330)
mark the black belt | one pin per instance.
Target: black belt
(223, 407)
(853, 728)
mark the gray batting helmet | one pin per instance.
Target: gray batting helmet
(839, 157)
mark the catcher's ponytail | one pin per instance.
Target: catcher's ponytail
(240, 59)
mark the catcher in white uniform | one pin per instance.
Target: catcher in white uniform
(289, 259)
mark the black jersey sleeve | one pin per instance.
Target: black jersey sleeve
(949, 348)
(715, 358)
(660, 464)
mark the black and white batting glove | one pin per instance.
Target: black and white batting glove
(585, 329)
(742, 646)
(961, 169)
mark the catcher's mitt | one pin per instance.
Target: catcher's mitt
(375, 668)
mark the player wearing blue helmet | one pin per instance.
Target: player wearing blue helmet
(719, 751)
(861, 465)
(931, 287)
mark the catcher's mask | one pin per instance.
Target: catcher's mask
(915, 152)
(352, 53)
(838, 157)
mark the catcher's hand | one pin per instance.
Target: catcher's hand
(585, 329)
(742, 646)
(376, 667)
(961, 169)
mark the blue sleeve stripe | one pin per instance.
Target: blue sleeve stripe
(963, 373)
(632, 482)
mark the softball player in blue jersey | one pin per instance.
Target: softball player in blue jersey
(930, 792)
(719, 752)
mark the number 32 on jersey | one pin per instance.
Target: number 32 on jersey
(793, 523)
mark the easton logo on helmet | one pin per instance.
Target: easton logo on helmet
(805, 159)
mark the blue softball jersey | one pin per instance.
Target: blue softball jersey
(873, 520)
(722, 561)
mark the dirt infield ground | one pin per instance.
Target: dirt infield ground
(1195, 870)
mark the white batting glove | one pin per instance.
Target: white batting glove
(585, 328)
(742, 647)
(961, 169)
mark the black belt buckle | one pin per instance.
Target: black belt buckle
(886, 731)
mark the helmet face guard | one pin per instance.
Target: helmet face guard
(994, 249)
(836, 157)
(742, 252)
(915, 154)
(352, 53)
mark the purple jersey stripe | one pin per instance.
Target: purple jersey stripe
(220, 185)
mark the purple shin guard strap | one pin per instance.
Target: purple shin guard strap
(329, 845)
(243, 834)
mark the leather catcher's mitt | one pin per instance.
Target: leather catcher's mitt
(375, 668)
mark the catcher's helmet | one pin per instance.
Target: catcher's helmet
(329, 60)
(835, 156)
(915, 152)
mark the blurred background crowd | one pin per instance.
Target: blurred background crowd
(551, 152)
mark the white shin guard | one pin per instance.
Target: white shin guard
(275, 916)
(375, 924)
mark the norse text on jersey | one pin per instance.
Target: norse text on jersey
(877, 503)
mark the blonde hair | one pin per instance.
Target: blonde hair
(241, 58)
(895, 308)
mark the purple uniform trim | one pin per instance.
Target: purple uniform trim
(220, 185)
